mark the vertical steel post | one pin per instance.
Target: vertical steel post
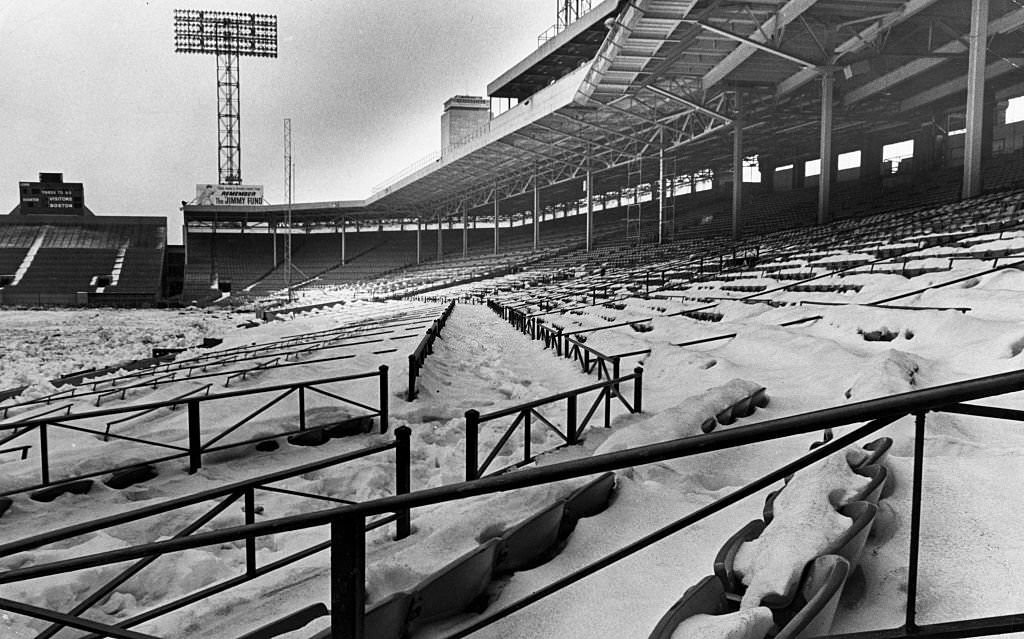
(977, 42)
(472, 436)
(497, 210)
(570, 418)
(737, 169)
(661, 186)
(250, 540)
(536, 210)
(402, 479)
(590, 204)
(419, 248)
(915, 520)
(44, 454)
(302, 408)
(638, 391)
(410, 393)
(382, 370)
(195, 445)
(825, 177)
(348, 576)
(527, 433)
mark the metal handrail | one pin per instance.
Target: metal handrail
(347, 598)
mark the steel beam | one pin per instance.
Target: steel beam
(1005, 24)
(690, 103)
(862, 39)
(754, 43)
(789, 12)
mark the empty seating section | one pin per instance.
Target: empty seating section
(61, 260)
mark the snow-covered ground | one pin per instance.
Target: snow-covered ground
(44, 344)
(972, 552)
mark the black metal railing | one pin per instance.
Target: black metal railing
(223, 497)
(200, 440)
(424, 348)
(526, 414)
(347, 523)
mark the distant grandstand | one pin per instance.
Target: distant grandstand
(55, 251)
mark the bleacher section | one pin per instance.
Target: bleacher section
(96, 261)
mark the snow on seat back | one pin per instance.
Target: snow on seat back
(805, 525)
(751, 623)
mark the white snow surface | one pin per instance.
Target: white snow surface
(972, 554)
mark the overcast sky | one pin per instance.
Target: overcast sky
(94, 90)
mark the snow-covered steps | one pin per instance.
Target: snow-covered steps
(29, 257)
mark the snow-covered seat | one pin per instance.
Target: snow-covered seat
(456, 587)
(530, 543)
(587, 501)
(288, 623)
(387, 619)
(848, 545)
(876, 473)
(810, 614)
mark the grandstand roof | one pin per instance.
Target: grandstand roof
(675, 74)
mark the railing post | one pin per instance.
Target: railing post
(348, 576)
(607, 392)
(638, 389)
(402, 479)
(915, 521)
(570, 418)
(250, 541)
(472, 434)
(527, 433)
(302, 408)
(410, 394)
(195, 445)
(615, 375)
(384, 398)
(44, 454)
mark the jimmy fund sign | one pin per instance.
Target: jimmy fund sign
(229, 194)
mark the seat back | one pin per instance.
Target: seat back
(530, 543)
(706, 597)
(821, 587)
(727, 556)
(455, 587)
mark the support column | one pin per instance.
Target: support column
(536, 212)
(440, 242)
(661, 186)
(975, 98)
(343, 240)
(465, 229)
(419, 248)
(497, 210)
(825, 178)
(273, 228)
(590, 204)
(737, 168)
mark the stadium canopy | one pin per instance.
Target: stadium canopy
(651, 80)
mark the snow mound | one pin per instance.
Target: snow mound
(682, 420)
(806, 524)
(888, 373)
(750, 623)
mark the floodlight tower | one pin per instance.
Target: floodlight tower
(228, 36)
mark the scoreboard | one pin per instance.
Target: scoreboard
(51, 195)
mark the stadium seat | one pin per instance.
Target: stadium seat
(288, 623)
(820, 590)
(706, 597)
(131, 476)
(456, 587)
(48, 494)
(531, 542)
(587, 501)
(727, 555)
